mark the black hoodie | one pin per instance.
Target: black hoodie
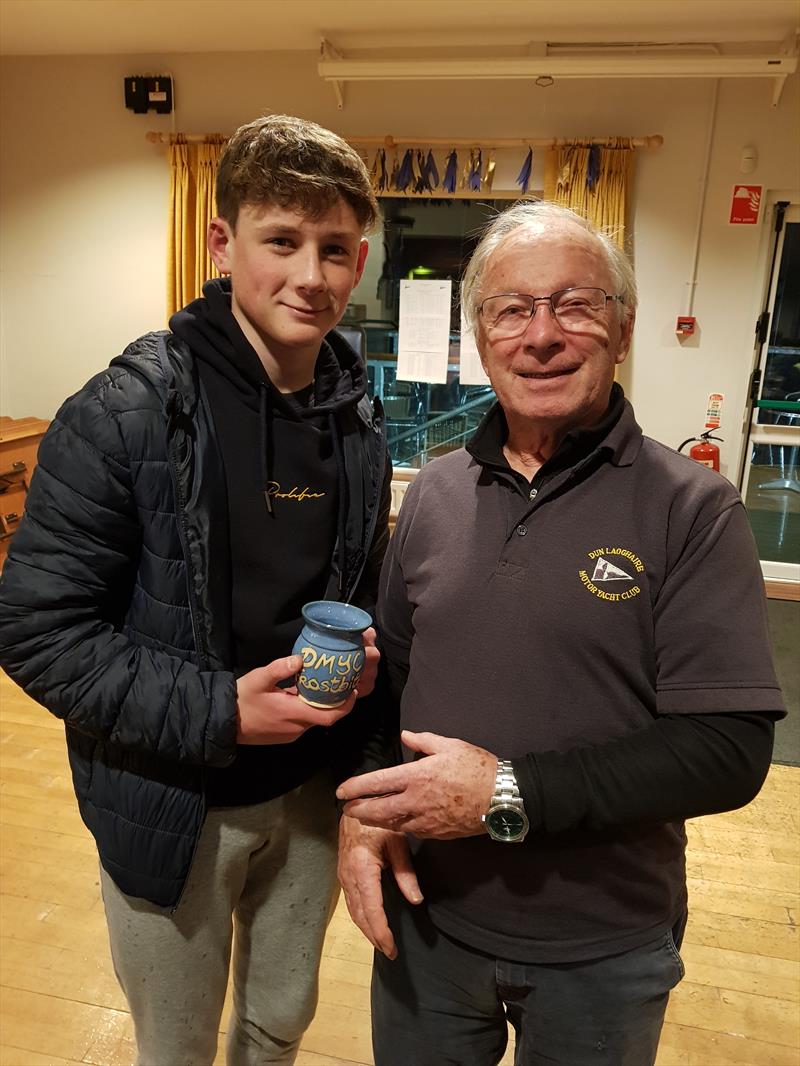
(285, 476)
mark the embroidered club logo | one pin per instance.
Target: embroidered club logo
(614, 574)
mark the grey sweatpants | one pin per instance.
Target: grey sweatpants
(263, 877)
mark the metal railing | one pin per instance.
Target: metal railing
(441, 433)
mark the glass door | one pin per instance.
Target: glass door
(771, 476)
(420, 238)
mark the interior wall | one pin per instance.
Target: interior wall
(83, 201)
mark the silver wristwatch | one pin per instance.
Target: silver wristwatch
(506, 819)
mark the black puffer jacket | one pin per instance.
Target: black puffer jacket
(112, 618)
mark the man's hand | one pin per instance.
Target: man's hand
(366, 683)
(441, 796)
(271, 715)
(363, 854)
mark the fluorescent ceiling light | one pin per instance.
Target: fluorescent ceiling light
(583, 66)
(338, 70)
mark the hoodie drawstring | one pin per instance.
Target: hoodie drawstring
(265, 433)
(342, 480)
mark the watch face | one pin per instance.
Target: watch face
(506, 823)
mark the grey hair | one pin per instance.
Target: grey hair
(538, 214)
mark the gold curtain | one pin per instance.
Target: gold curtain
(192, 169)
(605, 205)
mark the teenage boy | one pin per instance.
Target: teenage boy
(187, 502)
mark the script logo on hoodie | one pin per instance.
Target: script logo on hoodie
(274, 490)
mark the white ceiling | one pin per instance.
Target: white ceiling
(81, 27)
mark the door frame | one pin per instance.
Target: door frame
(786, 575)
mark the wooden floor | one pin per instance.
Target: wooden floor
(59, 1001)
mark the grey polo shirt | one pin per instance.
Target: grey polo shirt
(626, 587)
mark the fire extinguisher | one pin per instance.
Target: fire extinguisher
(704, 452)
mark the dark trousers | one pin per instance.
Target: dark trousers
(441, 1003)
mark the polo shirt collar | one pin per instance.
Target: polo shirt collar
(617, 434)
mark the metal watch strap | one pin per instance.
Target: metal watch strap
(505, 786)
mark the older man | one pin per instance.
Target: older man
(574, 627)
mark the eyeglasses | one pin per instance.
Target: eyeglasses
(508, 315)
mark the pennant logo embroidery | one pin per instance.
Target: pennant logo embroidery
(605, 573)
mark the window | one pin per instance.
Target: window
(425, 239)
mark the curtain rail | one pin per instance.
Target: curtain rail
(654, 141)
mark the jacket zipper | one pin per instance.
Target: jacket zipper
(202, 657)
(180, 500)
(373, 521)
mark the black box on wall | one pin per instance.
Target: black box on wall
(145, 93)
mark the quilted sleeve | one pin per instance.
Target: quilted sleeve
(64, 590)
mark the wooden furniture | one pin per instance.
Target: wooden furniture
(19, 443)
(401, 479)
(782, 590)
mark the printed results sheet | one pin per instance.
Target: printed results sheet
(424, 333)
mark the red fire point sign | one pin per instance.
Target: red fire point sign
(745, 204)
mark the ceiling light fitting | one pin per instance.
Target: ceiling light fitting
(554, 67)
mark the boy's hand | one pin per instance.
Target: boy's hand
(268, 714)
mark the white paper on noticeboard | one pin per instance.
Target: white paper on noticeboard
(471, 371)
(424, 333)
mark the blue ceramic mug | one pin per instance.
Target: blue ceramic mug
(333, 652)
